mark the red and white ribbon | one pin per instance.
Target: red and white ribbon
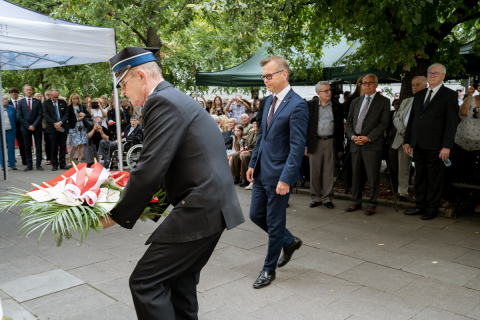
(97, 177)
(91, 196)
(72, 189)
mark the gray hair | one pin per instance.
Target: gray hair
(370, 74)
(423, 78)
(319, 85)
(244, 114)
(215, 117)
(4, 96)
(151, 68)
(438, 65)
(54, 90)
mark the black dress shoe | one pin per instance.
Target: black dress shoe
(14, 168)
(236, 180)
(63, 167)
(414, 212)
(427, 216)
(24, 163)
(244, 183)
(314, 204)
(329, 205)
(54, 168)
(264, 279)
(28, 169)
(288, 252)
(39, 168)
(402, 199)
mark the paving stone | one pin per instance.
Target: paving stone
(9, 225)
(308, 235)
(24, 267)
(436, 293)
(475, 313)
(228, 233)
(115, 311)
(338, 244)
(104, 271)
(438, 314)
(289, 271)
(328, 262)
(232, 257)
(4, 296)
(378, 277)
(71, 254)
(344, 229)
(241, 294)
(69, 303)
(207, 303)
(310, 221)
(373, 304)
(4, 243)
(227, 312)
(245, 239)
(221, 245)
(297, 307)
(443, 270)
(250, 226)
(390, 240)
(14, 310)
(115, 240)
(438, 222)
(117, 289)
(304, 250)
(472, 242)
(41, 284)
(444, 235)
(12, 253)
(397, 258)
(214, 277)
(471, 258)
(129, 252)
(318, 286)
(474, 283)
(435, 250)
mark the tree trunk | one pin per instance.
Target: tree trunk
(419, 70)
(153, 40)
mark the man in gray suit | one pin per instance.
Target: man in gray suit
(183, 152)
(367, 120)
(400, 122)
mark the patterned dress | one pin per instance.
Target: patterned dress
(78, 135)
(468, 131)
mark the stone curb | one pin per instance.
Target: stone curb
(402, 206)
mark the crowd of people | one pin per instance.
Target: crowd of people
(54, 126)
(366, 130)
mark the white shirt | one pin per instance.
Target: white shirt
(280, 96)
(435, 90)
(15, 103)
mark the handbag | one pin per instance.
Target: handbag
(90, 151)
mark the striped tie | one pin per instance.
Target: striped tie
(358, 127)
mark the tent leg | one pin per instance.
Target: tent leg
(196, 93)
(4, 138)
(118, 124)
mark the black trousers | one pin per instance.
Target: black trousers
(47, 145)
(164, 282)
(58, 140)
(429, 174)
(21, 144)
(27, 139)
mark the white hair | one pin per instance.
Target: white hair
(215, 117)
(438, 65)
(244, 114)
(424, 79)
(376, 78)
(4, 96)
(319, 85)
(54, 90)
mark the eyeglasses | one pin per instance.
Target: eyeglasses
(326, 91)
(476, 112)
(434, 74)
(459, 90)
(122, 83)
(369, 83)
(269, 76)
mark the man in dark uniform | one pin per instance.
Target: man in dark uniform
(183, 152)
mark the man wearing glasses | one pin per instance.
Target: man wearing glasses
(324, 143)
(275, 165)
(431, 133)
(367, 120)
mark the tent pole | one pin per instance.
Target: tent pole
(4, 139)
(196, 93)
(118, 124)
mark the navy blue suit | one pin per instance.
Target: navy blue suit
(277, 157)
(27, 119)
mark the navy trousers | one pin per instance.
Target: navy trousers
(268, 210)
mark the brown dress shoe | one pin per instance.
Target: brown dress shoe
(370, 211)
(353, 207)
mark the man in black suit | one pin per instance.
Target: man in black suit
(184, 153)
(13, 92)
(55, 112)
(30, 114)
(324, 143)
(366, 123)
(431, 133)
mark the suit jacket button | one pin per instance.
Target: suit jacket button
(183, 202)
(128, 221)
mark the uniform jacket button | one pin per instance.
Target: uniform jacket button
(128, 221)
(183, 202)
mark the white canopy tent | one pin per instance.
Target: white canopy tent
(30, 40)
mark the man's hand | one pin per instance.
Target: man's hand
(363, 139)
(403, 135)
(306, 153)
(31, 128)
(123, 140)
(407, 149)
(57, 125)
(250, 175)
(282, 188)
(444, 154)
(107, 223)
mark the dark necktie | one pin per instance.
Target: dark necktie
(29, 106)
(425, 105)
(272, 110)
(15, 105)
